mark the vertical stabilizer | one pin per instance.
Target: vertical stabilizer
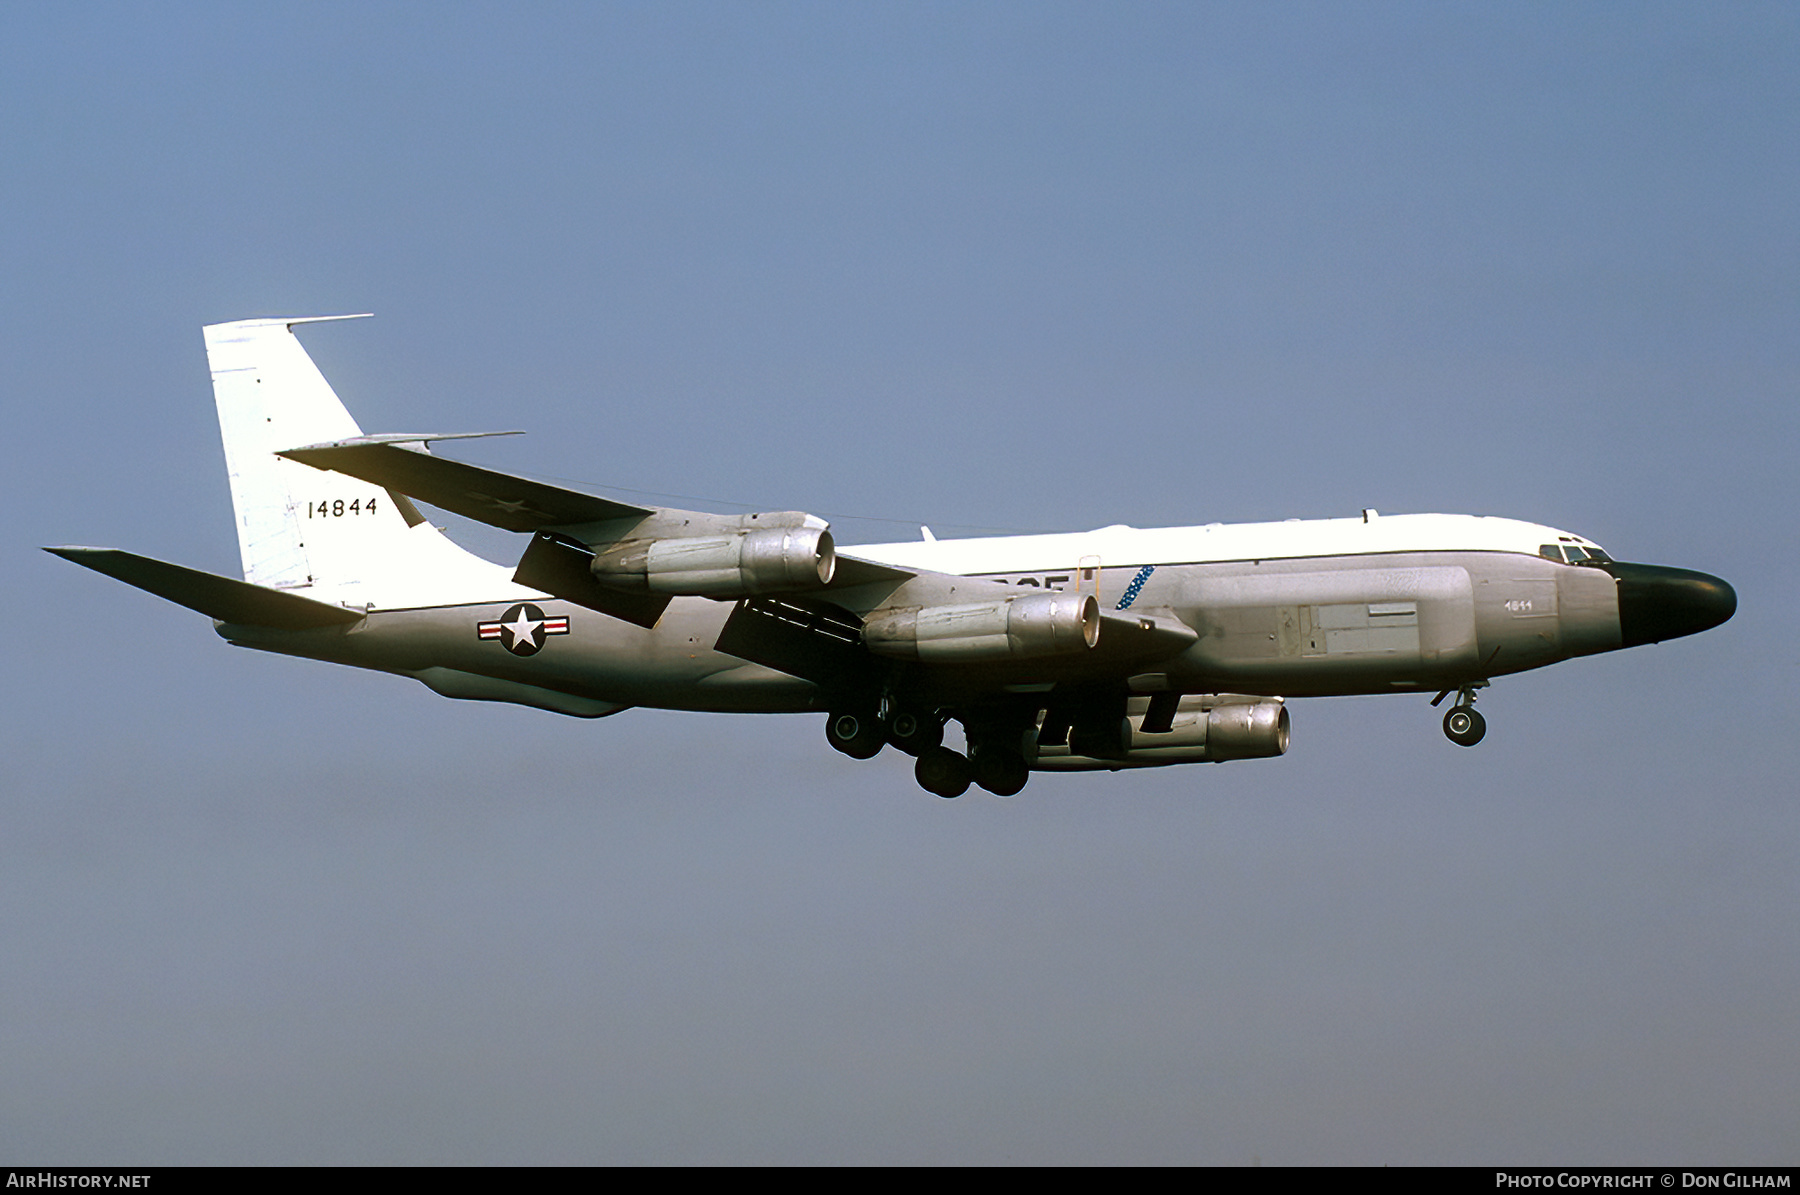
(301, 528)
(271, 396)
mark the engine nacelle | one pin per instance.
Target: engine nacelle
(1204, 730)
(1030, 626)
(776, 560)
(1256, 730)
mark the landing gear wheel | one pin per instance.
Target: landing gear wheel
(943, 772)
(1000, 770)
(913, 733)
(1464, 727)
(858, 735)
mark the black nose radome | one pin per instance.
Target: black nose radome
(1657, 602)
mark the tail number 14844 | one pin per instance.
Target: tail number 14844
(337, 508)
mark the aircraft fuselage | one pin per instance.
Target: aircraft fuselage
(1294, 620)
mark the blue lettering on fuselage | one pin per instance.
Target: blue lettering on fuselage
(1137, 584)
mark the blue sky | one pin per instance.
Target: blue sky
(991, 266)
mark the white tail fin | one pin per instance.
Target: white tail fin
(302, 528)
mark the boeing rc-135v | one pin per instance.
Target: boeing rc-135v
(1103, 649)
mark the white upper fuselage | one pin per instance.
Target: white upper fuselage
(1117, 546)
(1121, 546)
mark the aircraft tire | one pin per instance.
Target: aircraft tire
(914, 733)
(943, 772)
(1464, 727)
(857, 735)
(1001, 771)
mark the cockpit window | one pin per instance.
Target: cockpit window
(1573, 554)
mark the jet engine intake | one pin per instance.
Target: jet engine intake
(775, 560)
(1030, 626)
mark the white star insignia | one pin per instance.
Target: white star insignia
(523, 630)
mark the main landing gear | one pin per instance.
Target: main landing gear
(944, 772)
(998, 769)
(1462, 725)
(995, 765)
(857, 733)
(862, 733)
(914, 733)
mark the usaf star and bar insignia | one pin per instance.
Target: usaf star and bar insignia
(523, 629)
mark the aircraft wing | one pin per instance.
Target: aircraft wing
(497, 499)
(828, 635)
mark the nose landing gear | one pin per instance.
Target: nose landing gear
(1462, 725)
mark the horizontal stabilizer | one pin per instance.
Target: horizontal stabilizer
(407, 438)
(497, 499)
(223, 598)
(294, 321)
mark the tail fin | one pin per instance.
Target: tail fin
(301, 528)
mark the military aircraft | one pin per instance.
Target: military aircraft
(1115, 648)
